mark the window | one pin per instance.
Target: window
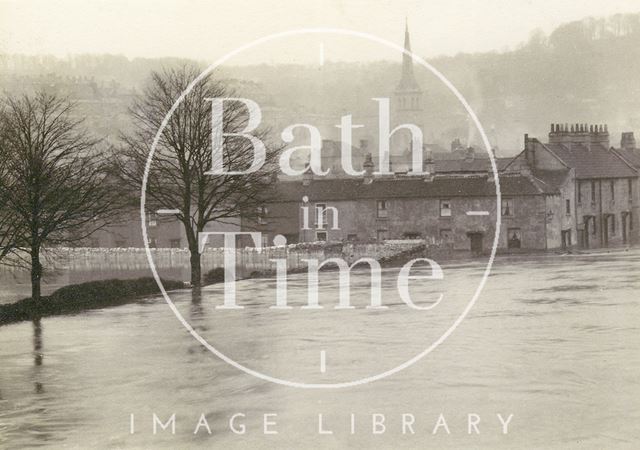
(579, 192)
(382, 208)
(593, 192)
(262, 215)
(630, 189)
(514, 239)
(321, 236)
(630, 220)
(567, 207)
(174, 243)
(507, 207)
(411, 235)
(445, 208)
(446, 235)
(322, 216)
(612, 224)
(153, 220)
(612, 188)
(381, 235)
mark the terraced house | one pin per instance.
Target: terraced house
(598, 187)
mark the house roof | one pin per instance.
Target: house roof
(408, 187)
(631, 156)
(550, 181)
(469, 165)
(594, 161)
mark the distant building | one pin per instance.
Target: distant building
(163, 231)
(406, 107)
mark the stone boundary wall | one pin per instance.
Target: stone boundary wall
(248, 260)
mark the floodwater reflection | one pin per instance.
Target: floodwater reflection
(553, 340)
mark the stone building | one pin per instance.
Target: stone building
(163, 231)
(458, 211)
(598, 203)
(573, 191)
(406, 107)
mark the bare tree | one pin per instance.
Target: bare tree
(9, 229)
(178, 176)
(55, 186)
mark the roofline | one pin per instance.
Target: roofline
(605, 178)
(512, 160)
(329, 199)
(624, 160)
(554, 154)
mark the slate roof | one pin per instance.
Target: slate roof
(594, 161)
(631, 156)
(469, 165)
(549, 181)
(410, 187)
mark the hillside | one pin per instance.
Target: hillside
(584, 71)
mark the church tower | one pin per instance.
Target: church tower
(406, 102)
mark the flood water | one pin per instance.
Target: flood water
(552, 340)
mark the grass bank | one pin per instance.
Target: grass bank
(80, 297)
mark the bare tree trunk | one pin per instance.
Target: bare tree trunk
(36, 274)
(196, 269)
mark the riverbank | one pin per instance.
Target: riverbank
(76, 298)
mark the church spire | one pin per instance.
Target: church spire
(407, 80)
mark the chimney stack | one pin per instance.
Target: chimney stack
(529, 151)
(429, 164)
(307, 176)
(579, 133)
(368, 167)
(470, 154)
(628, 141)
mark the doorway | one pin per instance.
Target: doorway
(475, 240)
(566, 239)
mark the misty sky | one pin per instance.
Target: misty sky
(206, 30)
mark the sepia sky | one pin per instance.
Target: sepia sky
(206, 30)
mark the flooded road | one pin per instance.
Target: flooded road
(552, 340)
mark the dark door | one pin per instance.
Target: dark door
(566, 239)
(624, 227)
(587, 231)
(476, 243)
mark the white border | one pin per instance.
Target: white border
(409, 362)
